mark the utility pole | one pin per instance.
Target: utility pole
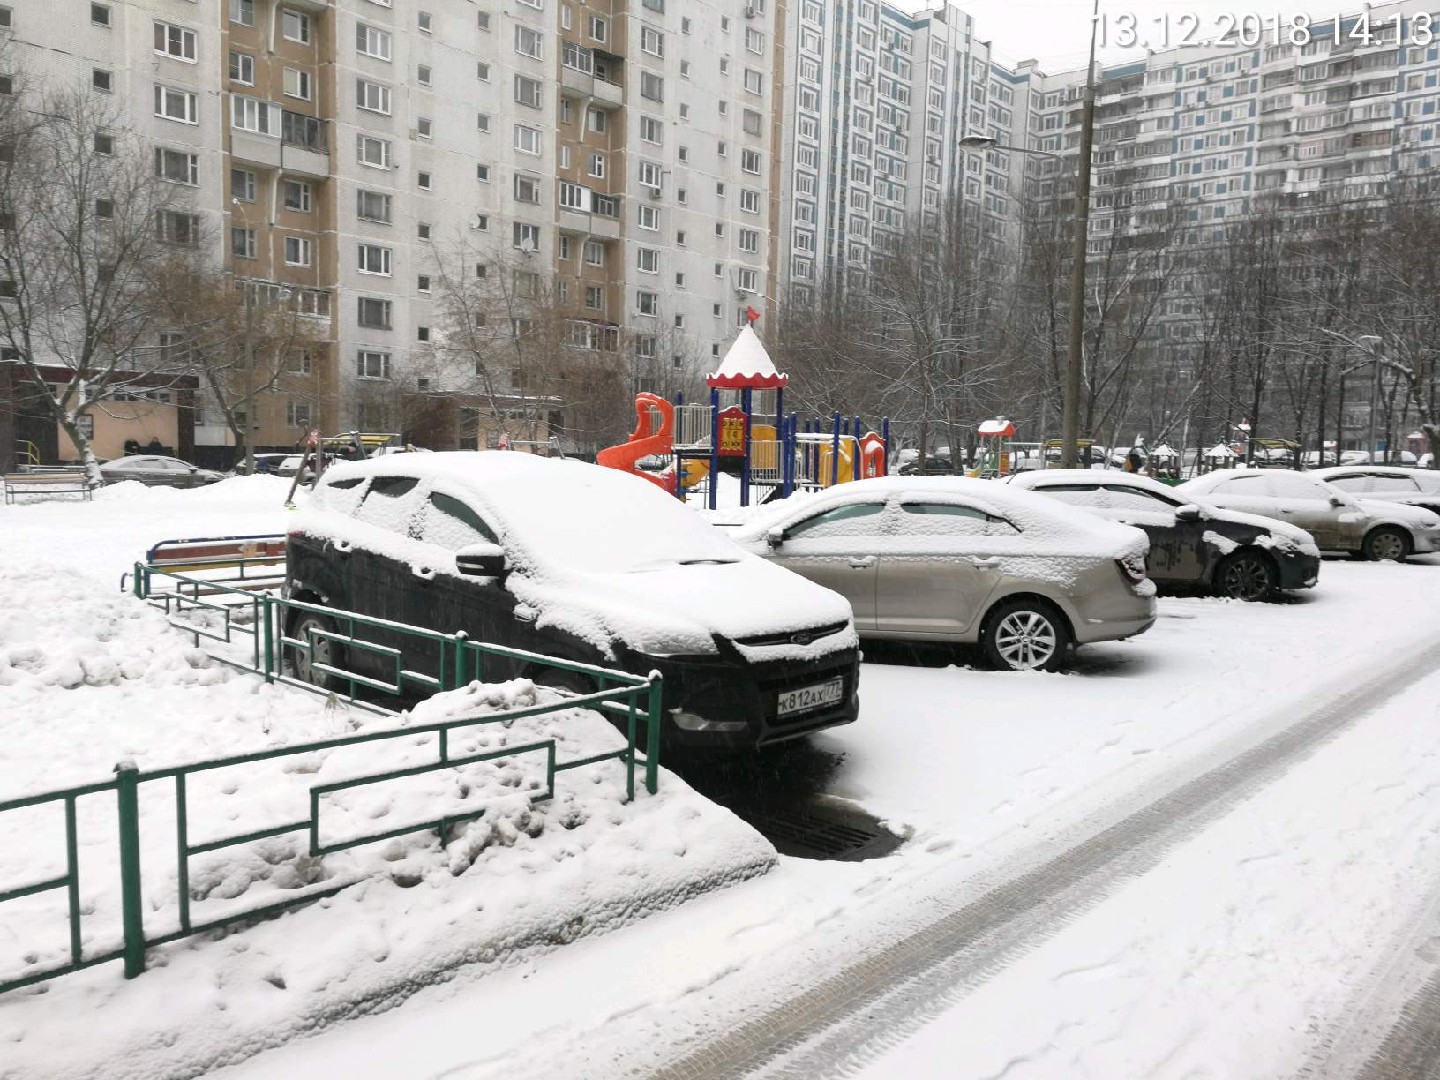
(1371, 344)
(1070, 425)
(250, 424)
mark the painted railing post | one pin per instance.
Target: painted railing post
(652, 735)
(127, 805)
(835, 452)
(267, 615)
(714, 477)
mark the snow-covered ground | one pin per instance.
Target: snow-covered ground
(989, 775)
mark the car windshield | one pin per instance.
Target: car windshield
(598, 525)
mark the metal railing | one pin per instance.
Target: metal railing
(620, 695)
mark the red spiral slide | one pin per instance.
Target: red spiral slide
(654, 434)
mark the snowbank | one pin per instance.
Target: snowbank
(89, 676)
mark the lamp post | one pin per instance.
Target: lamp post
(1370, 345)
(1074, 353)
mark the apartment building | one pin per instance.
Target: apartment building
(878, 101)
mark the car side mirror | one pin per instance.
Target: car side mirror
(775, 536)
(1189, 512)
(1336, 501)
(481, 560)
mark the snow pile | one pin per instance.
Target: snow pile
(89, 676)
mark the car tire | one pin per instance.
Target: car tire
(1386, 543)
(1246, 575)
(1025, 635)
(325, 651)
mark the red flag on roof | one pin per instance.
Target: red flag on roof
(751, 315)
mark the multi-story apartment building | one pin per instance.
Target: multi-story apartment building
(362, 161)
(877, 105)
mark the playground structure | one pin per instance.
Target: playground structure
(773, 456)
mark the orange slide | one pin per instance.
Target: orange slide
(652, 412)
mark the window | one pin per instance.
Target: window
(370, 364)
(652, 41)
(423, 21)
(173, 104)
(482, 122)
(422, 230)
(99, 15)
(423, 127)
(297, 414)
(594, 253)
(528, 42)
(100, 79)
(176, 41)
(527, 139)
(595, 120)
(422, 74)
(173, 227)
(298, 251)
(525, 237)
(372, 206)
(599, 29)
(647, 303)
(747, 280)
(648, 217)
(750, 161)
(252, 114)
(647, 260)
(754, 41)
(242, 68)
(177, 166)
(374, 259)
(372, 41)
(297, 83)
(651, 175)
(422, 180)
(242, 185)
(652, 86)
(749, 240)
(372, 151)
(754, 82)
(104, 143)
(242, 12)
(295, 26)
(482, 173)
(242, 242)
(750, 200)
(482, 71)
(853, 519)
(527, 188)
(527, 91)
(594, 297)
(372, 312)
(597, 166)
(572, 197)
(577, 57)
(295, 196)
(482, 21)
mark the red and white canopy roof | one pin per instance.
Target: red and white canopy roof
(999, 426)
(747, 364)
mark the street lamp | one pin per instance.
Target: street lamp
(1370, 345)
(1074, 354)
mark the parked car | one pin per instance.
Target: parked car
(578, 562)
(1387, 483)
(1338, 520)
(158, 471)
(954, 559)
(1241, 556)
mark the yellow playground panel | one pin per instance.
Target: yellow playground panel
(848, 458)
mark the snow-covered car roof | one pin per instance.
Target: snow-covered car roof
(1425, 479)
(1035, 515)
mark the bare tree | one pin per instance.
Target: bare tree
(84, 227)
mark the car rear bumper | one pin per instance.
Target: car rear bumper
(1119, 618)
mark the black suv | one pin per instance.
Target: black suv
(582, 563)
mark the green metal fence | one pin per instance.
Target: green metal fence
(620, 695)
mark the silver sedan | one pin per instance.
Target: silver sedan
(931, 558)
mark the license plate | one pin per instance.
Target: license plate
(805, 698)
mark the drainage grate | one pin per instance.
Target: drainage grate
(819, 830)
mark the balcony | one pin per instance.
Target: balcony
(304, 144)
(600, 92)
(588, 224)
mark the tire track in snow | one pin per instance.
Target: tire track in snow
(873, 1004)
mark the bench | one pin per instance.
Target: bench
(258, 562)
(46, 483)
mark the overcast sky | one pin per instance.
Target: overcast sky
(1057, 32)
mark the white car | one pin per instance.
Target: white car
(1387, 483)
(1338, 520)
(942, 558)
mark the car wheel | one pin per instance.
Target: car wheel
(1245, 575)
(1025, 635)
(1386, 543)
(303, 662)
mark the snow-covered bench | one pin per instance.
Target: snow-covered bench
(46, 483)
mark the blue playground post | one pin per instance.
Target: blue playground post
(885, 437)
(711, 481)
(746, 400)
(787, 449)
